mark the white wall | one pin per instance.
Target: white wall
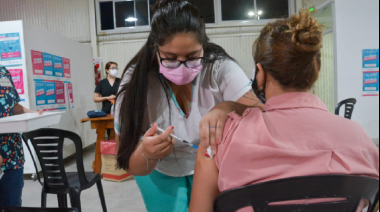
(357, 28)
(81, 70)
(69, 18)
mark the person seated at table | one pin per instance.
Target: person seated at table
(295, 135)
(106, 89)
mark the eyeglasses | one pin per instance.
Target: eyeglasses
(173, 63)
(114, 68)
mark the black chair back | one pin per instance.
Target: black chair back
(40, 210)
(48, 144)
(260, 196)
(349, 108)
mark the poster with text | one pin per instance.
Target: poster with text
(37, 61)
(70, 94)
(48, 64)
(10, 49)
(18, 80)
(58, 67)
(61, 98)
(51, 98)
(371, 83)
(40, 95)
(371, 60)
(66, 68)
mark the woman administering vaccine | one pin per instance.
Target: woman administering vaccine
(176, 80)
(106, 89)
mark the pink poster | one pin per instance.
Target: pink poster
(38, 66)
(66, 68)
(60, 89)
(70, 92)
(18, 80)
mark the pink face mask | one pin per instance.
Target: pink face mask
(181, 75)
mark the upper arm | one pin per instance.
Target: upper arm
(205, 187)
(232, 80)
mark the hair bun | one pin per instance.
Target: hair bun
(307, 32)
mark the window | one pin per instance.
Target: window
(131, 13)
(237, 10)
(234, 10)
(272, 9)
(136, 15)
(207, 8)
(106, 14)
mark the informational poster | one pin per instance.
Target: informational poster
(18, 80)
(70, 95)
(37, 61)
(51, 97)
(371, 60)
(66, 68)
(371, 72)
(58, 67)
(61, 98)
(10, 49)
(371, 83)
(53, 72)
(40, 95)
(48, 64)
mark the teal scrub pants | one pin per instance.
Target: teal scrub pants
(162, 193)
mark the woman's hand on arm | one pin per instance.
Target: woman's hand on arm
(212, 124)
(205, 186)
(19, 109)
(154, 147)
(98, 98)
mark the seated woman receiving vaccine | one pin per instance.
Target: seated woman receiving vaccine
(294, 135)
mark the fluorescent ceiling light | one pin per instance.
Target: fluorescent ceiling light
(260, 12)
(131, 19)
(251, 13)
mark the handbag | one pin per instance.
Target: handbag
(96, 114)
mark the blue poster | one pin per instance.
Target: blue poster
(48, 64)
(58, 66)
(40, 93)
(371, 59)
(50, 93)
(371, 83)
(10, 49)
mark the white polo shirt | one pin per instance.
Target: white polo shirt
(221, 81)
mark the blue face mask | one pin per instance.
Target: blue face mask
(255, 87)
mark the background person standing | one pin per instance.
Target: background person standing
(106, 90)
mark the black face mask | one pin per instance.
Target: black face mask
(259, 93)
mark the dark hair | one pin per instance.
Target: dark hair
(170, 18)
(290, 51)
(109, 64)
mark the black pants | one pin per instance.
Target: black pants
(11, 186)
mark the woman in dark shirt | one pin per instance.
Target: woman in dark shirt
(107, 89)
